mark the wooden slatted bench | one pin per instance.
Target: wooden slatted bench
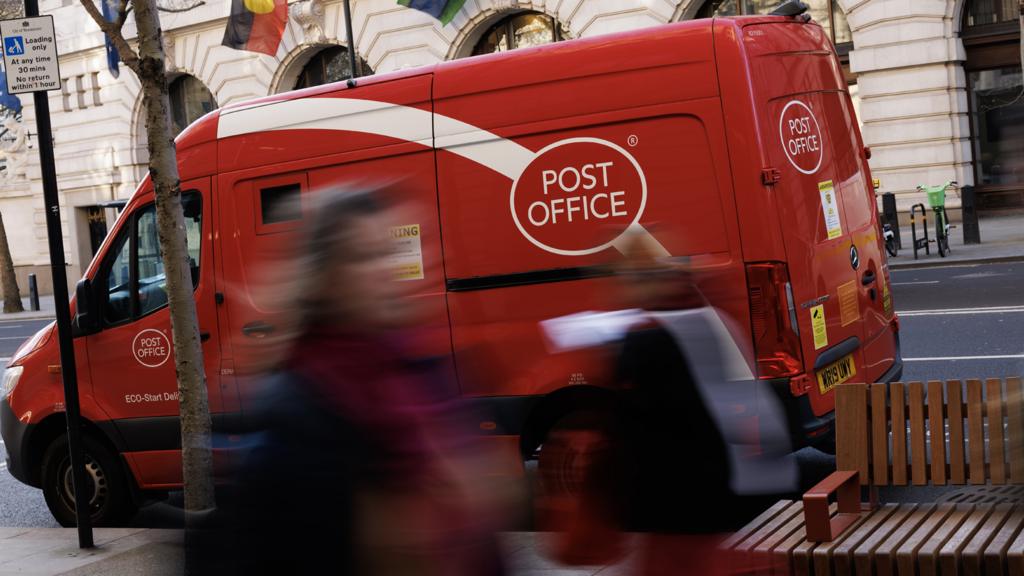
(952, 433)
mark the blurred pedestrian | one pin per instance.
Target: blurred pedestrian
(694, 429)
(348, 473)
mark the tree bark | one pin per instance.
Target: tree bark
(197, 461)
(12, 297)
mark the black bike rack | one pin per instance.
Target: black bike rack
(919, 242)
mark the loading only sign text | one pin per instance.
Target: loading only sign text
(800, 134)
(30, 54)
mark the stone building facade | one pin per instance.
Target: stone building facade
(927, 73)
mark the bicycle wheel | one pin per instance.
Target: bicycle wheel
(941, 236)
(890, 247)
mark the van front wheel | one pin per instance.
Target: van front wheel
(110, 501)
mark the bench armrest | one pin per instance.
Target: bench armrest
(846, 486)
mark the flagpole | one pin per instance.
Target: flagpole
(351, 46)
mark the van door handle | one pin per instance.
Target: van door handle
(257, 329)
(867, 278)
(204, 336)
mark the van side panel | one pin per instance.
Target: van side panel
(376, 136)
(654, 100)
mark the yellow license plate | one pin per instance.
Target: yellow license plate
(836, 373)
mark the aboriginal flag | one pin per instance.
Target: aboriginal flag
(443, 10)
(256, 25)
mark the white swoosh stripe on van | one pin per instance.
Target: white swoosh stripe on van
(383, 119)
(395, 121)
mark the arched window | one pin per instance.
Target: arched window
(995, 88)
(520, 30)
(824, 12)
(330, 65)
(190, 99)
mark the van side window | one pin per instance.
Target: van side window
(118, 306)
(136, 284)
(280, 204)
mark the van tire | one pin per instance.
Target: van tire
(110, 505)
(574, 487)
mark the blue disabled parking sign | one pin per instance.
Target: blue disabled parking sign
(14, 46)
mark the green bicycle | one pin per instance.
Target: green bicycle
(937, 200)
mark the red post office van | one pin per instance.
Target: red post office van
(731, 141)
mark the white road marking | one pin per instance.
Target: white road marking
(15, 337)
(913, 283)
(4, 327)
(3, 465)
(962, 311)
(5, 359)
(948, 358)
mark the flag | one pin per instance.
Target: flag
(256, 25)
(443, 10)
(8, 100)
(113, 57)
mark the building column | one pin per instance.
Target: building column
(908, 60)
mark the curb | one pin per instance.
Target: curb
(21, 316)
(942, 263)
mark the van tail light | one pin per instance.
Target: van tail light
(773, 321)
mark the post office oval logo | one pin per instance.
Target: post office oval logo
(800, 136)
(151, 348)
(578, 196)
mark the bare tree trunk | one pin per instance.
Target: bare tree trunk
(197, 461)
(12, 297)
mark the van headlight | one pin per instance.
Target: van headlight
(11, 377)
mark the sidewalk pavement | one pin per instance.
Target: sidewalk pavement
(127, 551)
(45, 311)
(1002, 240)
(149, 552)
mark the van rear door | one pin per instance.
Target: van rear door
(805, 134)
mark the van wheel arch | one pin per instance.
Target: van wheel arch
(553, 407)
(50, 428)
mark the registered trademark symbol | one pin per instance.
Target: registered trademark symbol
(632, 140)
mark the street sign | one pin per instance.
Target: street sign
(30, 54)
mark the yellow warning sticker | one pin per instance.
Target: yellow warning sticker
(407, 252)
(818, 327)
(886, 298)
(849, 304)
(830, 208)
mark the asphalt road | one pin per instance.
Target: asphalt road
(956, 322)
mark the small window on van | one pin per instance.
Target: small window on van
(277, 202)
(135, 280)
(280, 204)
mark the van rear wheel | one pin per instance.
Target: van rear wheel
(110, 502)
(576, 487)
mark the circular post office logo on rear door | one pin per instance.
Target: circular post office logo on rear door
(800, 135)
(578, 196)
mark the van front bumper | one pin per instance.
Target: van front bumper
(15, 434)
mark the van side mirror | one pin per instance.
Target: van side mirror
(86, 315)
